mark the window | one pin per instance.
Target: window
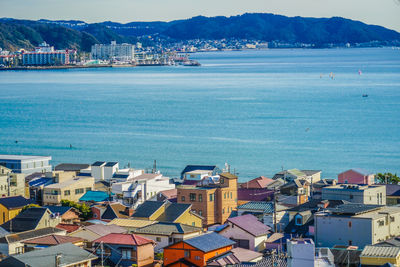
(192, 196)
(67, 193)
(170, 240)
(299, 220)
(94, 215)
(193, 224)
(391, 218)
(201, 213)
(197, 258)
(221, 180)
(4, 217)
(88, 189)
(79, 191)
(200, 198)
(231, 197)
(126, 254)
(183, 198)
(225, 195)
(187, 254)
(381, 223)
(211, 197)
(158, 239)
(223, 211)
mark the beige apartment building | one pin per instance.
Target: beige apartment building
(11, 184)
(66, 186)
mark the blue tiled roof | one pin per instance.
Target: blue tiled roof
(110, 164)
(96, 196)
(267, 207)
(116, 175)
(209, 242)
(15, 202)
(40, 181)
(58, 209)
(84, 174)
(190, 168)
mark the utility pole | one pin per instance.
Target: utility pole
(275, 226)
(102, 254)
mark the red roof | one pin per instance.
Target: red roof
(259, 182)
(53, 240)
(69, 227)
(124, 239)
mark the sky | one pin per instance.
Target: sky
(379, 12)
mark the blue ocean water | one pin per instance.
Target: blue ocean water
(260, 111)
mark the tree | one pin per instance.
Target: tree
(30, 206)
(387, 178)
(84, 209)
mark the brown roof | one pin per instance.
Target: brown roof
(228, 175)
(119, 210)
(171, 193)
(53, 240)
(259, 182)
(68, 227)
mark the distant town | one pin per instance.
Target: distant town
(98, 214)
(117, 55)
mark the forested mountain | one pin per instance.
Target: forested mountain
(15, 34)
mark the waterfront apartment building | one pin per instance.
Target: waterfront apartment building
(113, 51)
(11, 184)
(358, 224)
(212, 199)
(45, 54)
(364, 194)
(26, 164)
(66, 186)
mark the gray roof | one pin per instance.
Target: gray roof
(361, 171)
(147, 209)
(11, 238)
(353, 209)
(71, 167)
(173, 211)
(70, 254)
(250, 224)
(267, 207)
(380, 251)
(26, 220)
(209, 242)
(165, 228)
(390, 242)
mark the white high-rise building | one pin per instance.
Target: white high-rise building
(45, 54)
(113, 51)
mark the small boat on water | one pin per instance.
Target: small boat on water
(191, 63)
(364, 95)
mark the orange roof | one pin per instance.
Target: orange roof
(53, 240)
(259, 182)
(68, 227)
(124, 239)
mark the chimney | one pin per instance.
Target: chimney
(58, 259)
(129, 211)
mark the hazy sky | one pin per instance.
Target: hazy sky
(380, 12)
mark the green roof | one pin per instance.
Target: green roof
(297, 172)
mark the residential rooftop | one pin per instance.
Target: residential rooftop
(23, 157)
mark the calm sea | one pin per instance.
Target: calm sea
(260, 111)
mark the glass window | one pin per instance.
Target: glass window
(126, 254)
(211, 197)
(200, 198)
(183, 198)
(200, 213)
(231, 195)
(192, 196)
(88, 189)
(158, 239)
(187, 254)
(79, 191)
(67, 193)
